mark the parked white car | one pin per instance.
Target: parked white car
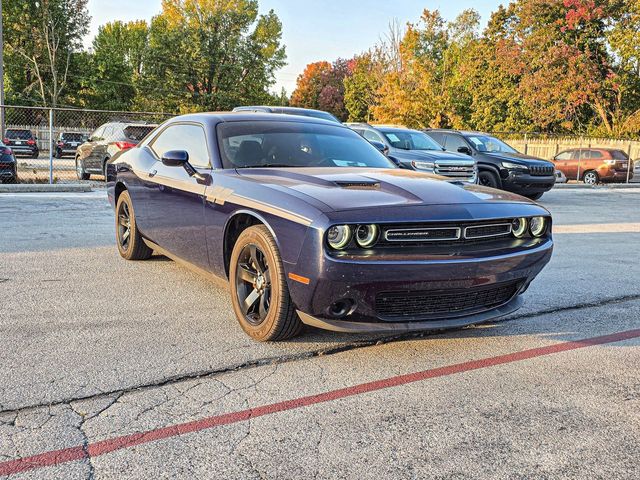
(560, 177)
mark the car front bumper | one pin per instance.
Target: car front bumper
(361, 283)
(23, 149)
(527, 184)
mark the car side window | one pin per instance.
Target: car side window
(109, 133)
(97, 135)
(453, 142)
(596, 154)
(190, 138)
(564, 156)
(372, 136)
(437, 136)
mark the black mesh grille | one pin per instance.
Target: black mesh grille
(540, 171)
(425, 303)
(488, 231)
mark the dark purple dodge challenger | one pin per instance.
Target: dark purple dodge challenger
(312, 225)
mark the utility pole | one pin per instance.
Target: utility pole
(1, 77)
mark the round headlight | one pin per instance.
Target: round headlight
(366, 235)
(339, 236)
(538, 226)
(519, 227)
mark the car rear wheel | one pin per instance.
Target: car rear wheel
(82, 175)
(130, 243)
(259, 291)
(591, 177)
(488, 179)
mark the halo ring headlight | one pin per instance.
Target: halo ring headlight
(519, 227)
(339, 236)
(366, 235)
(538, 226)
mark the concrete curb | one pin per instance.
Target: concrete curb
(613, 186)
(43, 188)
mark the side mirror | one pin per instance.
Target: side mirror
(175, 158)
(180, 158)
(381, 147)
(465, 150)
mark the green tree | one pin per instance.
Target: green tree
(209, 55)
(41, 38)
(117, 64)
(361, 87)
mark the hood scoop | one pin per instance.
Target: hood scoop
(358, 184)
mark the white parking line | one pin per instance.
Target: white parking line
(598, 228)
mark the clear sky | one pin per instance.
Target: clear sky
(313, 30)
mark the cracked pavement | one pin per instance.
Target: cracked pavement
(95, 348)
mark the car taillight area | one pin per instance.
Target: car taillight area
(125, 145)
(31, 141)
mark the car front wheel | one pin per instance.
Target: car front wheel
(488, 179)
(130, 243)
(259, 291)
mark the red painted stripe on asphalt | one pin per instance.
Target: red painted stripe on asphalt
(66, 455)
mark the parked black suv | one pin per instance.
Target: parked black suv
(8, 165)
(68, 143)
(304, 112)
(499, 165)
(21, 142)
(106, 141)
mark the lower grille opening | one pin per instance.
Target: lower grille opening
(403, 304)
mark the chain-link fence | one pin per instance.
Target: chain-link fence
(62, 145)
(577, 155)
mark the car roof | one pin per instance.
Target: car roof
(213, 118)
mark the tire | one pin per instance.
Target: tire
(535, 196)
(590, 177)
(128, 238)
(82, 175)
(256, 272)
(35, 154)
(487, 178)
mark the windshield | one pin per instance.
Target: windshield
(72, 137)
(137, 132)
(410, 140)
(619, 155)
(486, 143)
(19, 134)
(291, 144)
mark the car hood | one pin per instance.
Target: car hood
(355, 188)
(528, 159)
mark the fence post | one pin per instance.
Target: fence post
(629, 163)
(51, 145)
(579, 159)
(526, 144)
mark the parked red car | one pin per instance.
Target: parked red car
(594, 165)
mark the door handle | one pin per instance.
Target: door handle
(152, 173)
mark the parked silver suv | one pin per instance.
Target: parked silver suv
(415, 150)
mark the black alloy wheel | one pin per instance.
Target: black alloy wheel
(131, 246)
(488, 179)
(259, 290)
(253, 284)
(124, 226)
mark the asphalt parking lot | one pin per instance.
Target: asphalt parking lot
(121, 370)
